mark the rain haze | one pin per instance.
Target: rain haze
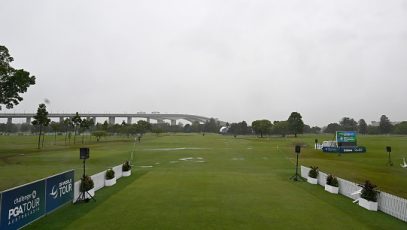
(232, 60)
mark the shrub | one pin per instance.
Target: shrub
(109, 174)
(369, 192)
(313, 172)
(86, 184)
(126, 166)
(332, 181)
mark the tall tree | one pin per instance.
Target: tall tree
(55, 128)
(401, 128)
(373, 130)
(306, 129)
(295, 123)
(68, 125)
(196, 127)
(12, 81)
(76, 121)
(280, 128)
(99, 134)
(261, 127)
(41, 120)
(84, 125)
(332, 128)
(239, 128)
(211, 126)
(91, 126)
(348, 124)
(25, 127)
(385, 125)
(143, 126)
(315, 129)
(362, 126)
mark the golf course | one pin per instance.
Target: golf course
(191, 181)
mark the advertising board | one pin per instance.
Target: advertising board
(59, 190)
(22, 205)
(346, 137)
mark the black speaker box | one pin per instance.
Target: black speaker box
(84, 153)
(297, 149)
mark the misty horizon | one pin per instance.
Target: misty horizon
(234, 61)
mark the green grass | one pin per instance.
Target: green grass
(243, 183)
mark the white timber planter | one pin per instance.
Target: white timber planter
(110, 182)
(369, 205)
(91, 192)
(312, 180)
(331, 189)
(126, 173)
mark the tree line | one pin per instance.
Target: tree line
(385, 126)
(293, 125)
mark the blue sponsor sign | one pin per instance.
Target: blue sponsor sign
(352, 149)
(346, 136)
(22, 205)
(330, 149)
(59, 190)
(355, 149)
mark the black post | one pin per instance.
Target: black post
(389, 162)
(84, 168)
(296, 176)
(296, 169)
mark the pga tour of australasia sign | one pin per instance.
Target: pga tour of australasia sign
(24, 204)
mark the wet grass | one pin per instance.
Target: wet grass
(214, 182)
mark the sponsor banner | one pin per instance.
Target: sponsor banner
(22, 205)
(346, 136)
(356, 149)
(330, 149)
(59, 190)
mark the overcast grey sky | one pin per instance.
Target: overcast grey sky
(233, 60)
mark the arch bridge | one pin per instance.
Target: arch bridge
(111, 117)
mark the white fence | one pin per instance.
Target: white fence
(387, 203)
(98, 180)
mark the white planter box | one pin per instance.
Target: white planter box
(369, 205)
(110, 182)
(126, 173)
(312, 180)
(91, 192)
(331, 189)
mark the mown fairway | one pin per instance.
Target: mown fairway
(211, 182)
